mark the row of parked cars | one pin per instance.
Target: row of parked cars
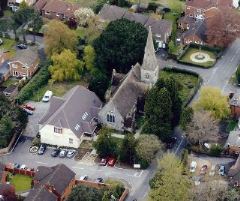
(57, 152)
(110, 161)
(204, 169)
(85, 178)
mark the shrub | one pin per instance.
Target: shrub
(215, 150)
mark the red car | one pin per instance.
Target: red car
(111, 162)
(203, 169)
(29, 107)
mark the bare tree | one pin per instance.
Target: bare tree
(204, 127)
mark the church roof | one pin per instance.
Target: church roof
(149, 60)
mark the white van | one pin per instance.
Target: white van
(47, 96)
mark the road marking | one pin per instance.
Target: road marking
(179, 145)
(138, 174)
(78, 168)
(41, 162)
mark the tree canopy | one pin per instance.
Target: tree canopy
(212, 100)
(120, 45)
(169, 184)
(127, 149)
(57, 37)
(65, 66)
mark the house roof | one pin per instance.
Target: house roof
(233, 138)
(4, 187)
(40, 4)
(74, 111)
(235, 169)
(11, 88)
(26, 56)
(205, 4)
(111, 13)
(61, 7)
(198, 28)
(40, 193)
(58, 176)
(128, 92)
(4, 67)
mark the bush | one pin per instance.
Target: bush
(238, 75)
(152, 6)
(40, 79)
(215, 150)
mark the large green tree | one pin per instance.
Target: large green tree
(120, 45)
(127, 149)
(169, 184)
(57, 37)
(105, 144)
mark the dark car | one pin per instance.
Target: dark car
(16, 165)
(171, 142)
(22, 46)
(55, 152)
(42, 149)
(99, 180)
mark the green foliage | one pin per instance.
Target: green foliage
(116, 190)
(238, 74)
(127, 149)
(186, 117)
(105, 144)
(169, 184)
(65, 67)
(40, 79)
(120, 45)
(84, 193)
(216, 150)
(89, 57)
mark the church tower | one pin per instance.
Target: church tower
(149, 68)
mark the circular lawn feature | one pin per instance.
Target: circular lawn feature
(201, 57)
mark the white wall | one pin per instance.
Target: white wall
(49, 137)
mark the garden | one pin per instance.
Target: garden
(199, 57)
(21, 183)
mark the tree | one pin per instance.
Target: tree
(65, 66)
(84, 193)
(213, 101)
(147, 147)
(186, 117)
(203, 127)
(158, 114)
(127, 149)
(83, 15)
(120, 45)
(89, 57)
(238, 74)
(57, 37)
(9, 194)
(169, 184)
(36, 25)
(105, 144)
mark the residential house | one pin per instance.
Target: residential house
(24, 64)
(234, 173)
(4, 68)
(14, 4)
(161, 29)
(234, 103)
(11, 91)
(70, 118)
(126, 91)
(52, 183)
(232, 145)
(56, 9)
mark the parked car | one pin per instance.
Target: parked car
(193, 166)
(29, 112)
(47, 96)
(212, 171)
(22, 46)
(103, 162)
(221, 170)
(1, 41)
(111, 162)
(42, 149)
(99, 180)
(171, 142)
(16, 165)
(84, 177)
(62, 153)
(23, 167)
(71, 153)
(203, 169)
(29, 107)
(55, 152)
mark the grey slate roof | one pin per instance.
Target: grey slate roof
(58, 176)
(26, 56)
(111, 13)
(74, 111)
(130, 89)
(40, 194)
(235, 100)
(4, 68)
(233, 138)
(149, 60)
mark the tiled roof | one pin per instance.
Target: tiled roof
(40, 193)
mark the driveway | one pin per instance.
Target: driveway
(32, 126)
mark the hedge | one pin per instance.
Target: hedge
(40, 79)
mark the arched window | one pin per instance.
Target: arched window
(111, 117)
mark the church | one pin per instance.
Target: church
(127, 90)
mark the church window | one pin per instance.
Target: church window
(57, 130)
(147, 76)
(111, 117)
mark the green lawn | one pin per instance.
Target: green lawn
(9, 82)
(58, 89)
(186, 57)
(20, 182)
(7, 13)
(188, 83)
(9, 45)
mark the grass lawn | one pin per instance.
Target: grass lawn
(58, 89)
(186, 58)
(9, 45)
(7, 13)
(188, 82)
(9, 82)
(20, 182)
